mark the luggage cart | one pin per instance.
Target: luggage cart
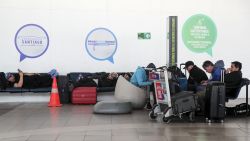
(163, 104)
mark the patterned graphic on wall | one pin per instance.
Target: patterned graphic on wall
(101, 44)
(31, 41)
(199, 34)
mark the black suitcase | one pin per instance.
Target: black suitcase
(183, 102)
(3, 81)
(215, 102)
(63, 89)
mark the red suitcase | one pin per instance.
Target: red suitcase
(84, 95)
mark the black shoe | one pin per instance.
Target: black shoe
(148, 106)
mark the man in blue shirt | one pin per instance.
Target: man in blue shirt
(214, 69)
(140, 79)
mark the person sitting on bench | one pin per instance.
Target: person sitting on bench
(213, 69)
(30, 80)
(233, 78)
(196, 77)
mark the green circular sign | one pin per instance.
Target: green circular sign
(199, 33)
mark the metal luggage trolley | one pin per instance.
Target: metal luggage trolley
(163, 105)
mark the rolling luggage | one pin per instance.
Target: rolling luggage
(84, 95)
(63, 89)
(171, 105)
(215, 102)
(3, 81)
(184, 102)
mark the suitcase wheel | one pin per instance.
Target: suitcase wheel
(206, 120)
(191, 116)
(218, 121)
(152, 115)
(167, 119)
(154, 112)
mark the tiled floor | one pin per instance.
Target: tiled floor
(37, 122)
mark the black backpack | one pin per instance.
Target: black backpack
(85, 82)
(176, 72)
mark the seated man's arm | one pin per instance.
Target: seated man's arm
(20, 82)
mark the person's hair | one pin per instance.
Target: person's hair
(237, 64)
(151, 66)
(129, 74)
(207, 64)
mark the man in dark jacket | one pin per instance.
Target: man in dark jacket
(233, 78)
(195, 82)
(196, 76)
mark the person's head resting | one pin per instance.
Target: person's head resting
(236, 66)
(127, 76)
(208, 66)
(149, 67)
(189, 65)
(10, 77)
(112, 75)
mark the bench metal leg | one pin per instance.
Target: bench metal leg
(247, 100)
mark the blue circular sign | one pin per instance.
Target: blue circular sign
(31, 41)
(101, 44)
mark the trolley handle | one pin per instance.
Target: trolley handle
(183, 64)
(161, 68)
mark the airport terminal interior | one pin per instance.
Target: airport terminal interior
(124, 70)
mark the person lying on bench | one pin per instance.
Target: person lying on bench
(108, 80)
(29, 80)
(233, 78)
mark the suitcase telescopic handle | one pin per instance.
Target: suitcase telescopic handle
(222, 75)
